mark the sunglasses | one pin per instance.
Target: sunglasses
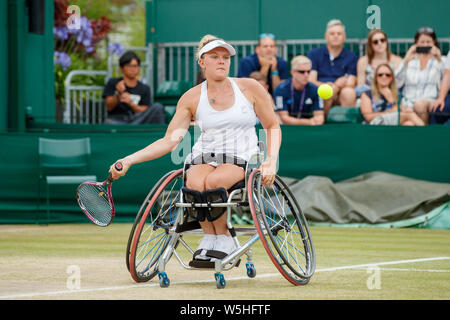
(265, 35)
(303, 71)
(425, 30)
(384, 75)
(382, 40)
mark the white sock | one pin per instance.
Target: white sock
(224, 243)
(206, 243)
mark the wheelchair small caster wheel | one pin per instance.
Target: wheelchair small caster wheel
(164, 281)
(251, 271)
(220, 280)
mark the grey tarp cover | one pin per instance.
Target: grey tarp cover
(375, 197)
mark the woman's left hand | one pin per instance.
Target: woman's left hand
(268, 170)
(436, 53)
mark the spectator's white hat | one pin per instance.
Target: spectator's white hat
(215, 44)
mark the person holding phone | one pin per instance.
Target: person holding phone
(440, 108)
(420, 73)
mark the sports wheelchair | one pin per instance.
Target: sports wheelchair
(279, 223)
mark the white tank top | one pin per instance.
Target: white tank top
(231, 131)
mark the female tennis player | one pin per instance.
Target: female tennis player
(226, 110)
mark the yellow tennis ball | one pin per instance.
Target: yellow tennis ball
(325, 91)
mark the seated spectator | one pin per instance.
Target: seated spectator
(335, 65)
(200, 77)
(377, 52)
(440, 108)
(127, 99)
(266, 61)
(296, 99)
(258, 76)
(379, 105)
(420, 73)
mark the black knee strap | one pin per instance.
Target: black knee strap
(218, 195)
(194, 196)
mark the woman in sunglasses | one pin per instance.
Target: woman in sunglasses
(421, 72)
(377, 52)
(379, 105)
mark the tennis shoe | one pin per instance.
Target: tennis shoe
(224, 244)
(206, 243)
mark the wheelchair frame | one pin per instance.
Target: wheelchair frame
(175, 229)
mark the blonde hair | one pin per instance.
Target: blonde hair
(392, 86)
(204, 41)
(300, 60)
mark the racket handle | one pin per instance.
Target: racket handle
(118, 166)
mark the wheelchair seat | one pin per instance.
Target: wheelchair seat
(237, 185)
(164, 219)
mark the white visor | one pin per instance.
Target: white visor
(215, 44)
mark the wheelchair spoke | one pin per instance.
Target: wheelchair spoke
(158, 244)
(149, 240)
(153, 229)
(283, 230)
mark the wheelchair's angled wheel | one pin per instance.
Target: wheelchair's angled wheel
(283, 229)
(220, 280)
(251, 270)
(151, 236)
(139, 216)
(164, 281)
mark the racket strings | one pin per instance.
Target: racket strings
(95, 202)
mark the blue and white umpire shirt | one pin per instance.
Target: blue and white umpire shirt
(307, 100)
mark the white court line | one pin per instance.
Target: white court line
(267, 275)
(3, 230)
(412, 269)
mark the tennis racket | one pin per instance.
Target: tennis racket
(96, 202)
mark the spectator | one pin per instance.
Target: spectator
(266, 61)
(377, 52)
(296, 99)
(420, 73)
(258, 76)
(440, 108)
(335, 65)
(127, 99)
(379, 105)
(200, 77)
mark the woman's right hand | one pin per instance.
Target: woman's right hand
(388, 95)
(114, 168)
(410, 54)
